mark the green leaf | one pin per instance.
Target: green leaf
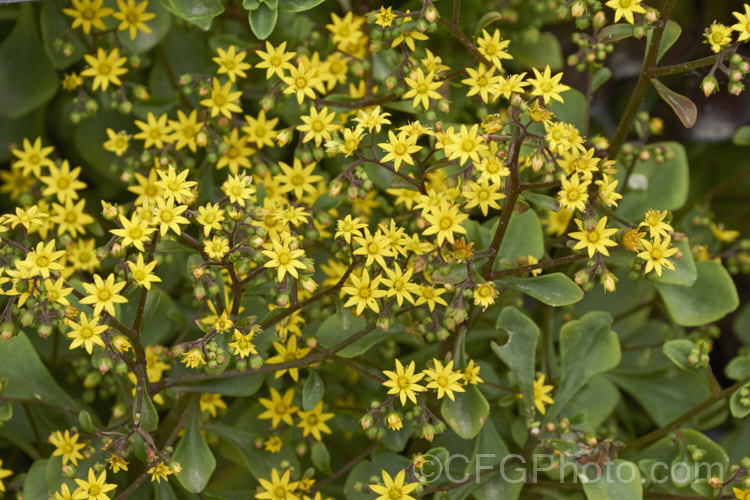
(198, 12)
(614, 33)
(84, 419)
(27, 78)
(467, 413)
(542, 201)
(312, 391)
(89, 137)
(523, 237)
(667, 184)
(238, 386)
(554, 289)
(519, 352)
(738, 368)
(542, 51)
(600, 77)
(53, 25)
(33, 486)
(662, 393)
(741, 324)
(320, 457)
(683, 107)
(263, 20)
(685, 273)
(6, 412)
(742, 136)
(332, 332)
(672, 32)
(573, 110)
(485, 21)
(735, 403)
(298, 5)
(678, 352)
(588, 346)
(619, 480)
(712, 296)
(149, 417)
(159, 26)
(27, 377)
(194, 456)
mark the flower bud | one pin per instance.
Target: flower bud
(709, 85)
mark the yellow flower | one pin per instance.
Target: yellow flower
(62, 182)
(484, 294)
(513, 84)
(445, 221)
(626, 9)
(210, 217)
(278, 408)
(385, 17)
(104, 294)
(408, 38)
(718, 36)
(285, 259)
(133, 17)
(175, 185)
(725, 235)
(655, 254)
(143, 273)
(154, 131)
(43, 259)
(33, 157)
(118, 142)
(86, 332)
(471, 374)
(466, 145)
(67, 446)
(314, 421)
(741, 494)
(210, 402)
(399, 148)
(654, 221)
(105, 68)
(547, 86)
(278, 488)
(94, 488)
(364, 292)
(301, 81)
(444, 379)
(607, 194)
(135, 231)
(541, 396)
(273, 444)
(193, 358)
(184, 130)
(222, 99)
(298, 179)
(372, 121)
(239, 188)
(399, 285)
(88, 14)
(242, 345)
(594, 240)
(275, 60)
(404, 382)
(64, 493)
(260, 130)
(743, 24)
(216, 248)
(430, 296)
(3, 474)
(483, 194)
(481, 81)
(574, 194)
(230, 63)
(394, 488)
(285, 354)
(160, 471)
(168, 216)
(318, 125)
(117, 463)
(422, 88)
(345, 29)
(493, 48)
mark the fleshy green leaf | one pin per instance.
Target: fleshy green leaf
(542, 51)
(742, 136)
(149, 417)
(54, 24)
(735, 403)
(619, 480)
(685, 273)
(542, 201)
(198, 12)
(485, 21)
(27, 377)
(332, 332)
(614, 33)
(678, 352)
(27, 78)
(194, 456)
(263, 20)
(312, 391)
(298, 5)
(588, 346)
(33, 486)
(601, 76)
(467, 413)
(523, 237)
(738, 368)
(320, 457)
(363, 471)
(668, 183)
(554, 289)
(683, 107)
(238, 386)
(672, 32)
(712, 296)
(519, 352)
